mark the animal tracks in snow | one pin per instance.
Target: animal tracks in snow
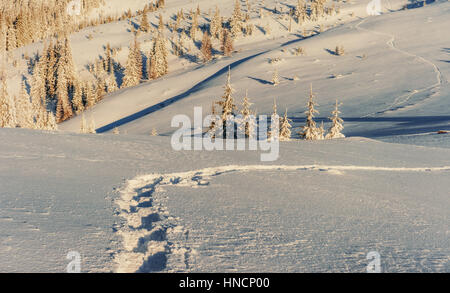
(154, 241)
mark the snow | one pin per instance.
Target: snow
(350, 196)
(129, 203)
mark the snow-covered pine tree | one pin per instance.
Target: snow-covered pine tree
(50, 121)
(206, 47)
(100, 89)
(145, 25)
(339, 51)
(237, 12)
(248, 123)
(83, 125)
(216, 24)
(7, 106)
(77, 100)
(227, 103)
(274, 118)
(108, 59)
(161, 24)
(310, 129)
(67, 59)
(194, 28)
(159, 64)
(138, 55)
(38, 95)
(111, 84)
(285, 131)
(227, 43)
(337, 124)
(24, 110)
(131, 77)
(63, 106)
(214, 123)
(91, 127)
(275, 78)
(320, 132)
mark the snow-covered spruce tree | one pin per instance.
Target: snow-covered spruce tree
(274, 118)
(320, 132)
(111, 84)
(237, 12)
(215, 26)
(227, 104)
(309, 131)
(227, 43)
(161, 24)
(337, 124)
(7, 106)
(38, 95)
(159, 64)
(248, 123)
(77, 100)
(206, 47)
(100, 90)
(275, 78)
(339, 51)
(132, 69)
(145, 25)
(108, 59)
(91, 127)
(89, 94)
(50, 122)
(69, 64)
(214, 123)
(194, 28)
(285, 131)
(24, 109)
(138, 55)
(83, 125)
(63, 106)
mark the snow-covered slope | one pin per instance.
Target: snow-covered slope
(393, 80)
(321, 207)
(130, 203)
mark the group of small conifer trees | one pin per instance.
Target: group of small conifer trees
(247, 122)
(311, 132)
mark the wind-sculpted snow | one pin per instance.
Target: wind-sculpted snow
(154, 240)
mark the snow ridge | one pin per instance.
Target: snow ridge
(153, 240)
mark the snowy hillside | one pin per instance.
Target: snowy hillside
(321, 207)
(98, 173)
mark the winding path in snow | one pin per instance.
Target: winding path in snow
(153, 240)
(400, 101)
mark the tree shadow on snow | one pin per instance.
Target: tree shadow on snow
(387, 126)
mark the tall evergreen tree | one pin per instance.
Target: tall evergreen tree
(310, 129)
(63, 106)
(132, 68)
(206, 47)
(24, 110)
(337, 124)
(7, 106)
(227, 43)
(285, 132)
(248, 123)
(227, 103)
